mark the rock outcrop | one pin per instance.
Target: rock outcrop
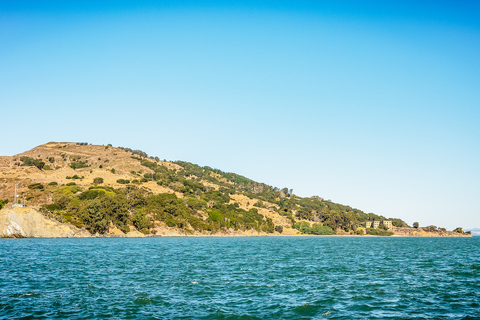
(135, 234)
(13, 230)
(420, 232)
(29, 223)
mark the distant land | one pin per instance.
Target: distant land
(68, 189)
(474, 231)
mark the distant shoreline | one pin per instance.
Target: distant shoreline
(239, 236)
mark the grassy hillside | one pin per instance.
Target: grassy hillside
(108, 190)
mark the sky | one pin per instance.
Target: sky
(372, 104)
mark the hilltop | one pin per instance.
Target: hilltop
(118, 191)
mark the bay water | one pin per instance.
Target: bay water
(240, 278)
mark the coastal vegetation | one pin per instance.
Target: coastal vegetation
(200, 208)
(127, 189)
(99, 207)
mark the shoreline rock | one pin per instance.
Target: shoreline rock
(16, 222)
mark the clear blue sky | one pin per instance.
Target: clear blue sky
(375, 104)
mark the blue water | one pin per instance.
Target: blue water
(240, 278)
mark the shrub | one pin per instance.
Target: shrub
(71, 184)
(113, 170)
(28, 161)
(303, 227)
(316, 228)
(35, 186)
(378, 232)
(123, 181)
(78, 164)
(53, 183)
(74, 177)
(319, 229)
(359, 232)
(215, 216)
(259, 204)
(92, 194)
(279, 229)
(98, 180)
(40, 165)
(3, 203)
(52, 207)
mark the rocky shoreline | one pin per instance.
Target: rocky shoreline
(17, 222)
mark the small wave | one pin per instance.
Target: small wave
(143, 301)
(25, 295)
(307, 309)
(220, 315)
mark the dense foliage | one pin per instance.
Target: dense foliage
(316, 228)
(100, 207)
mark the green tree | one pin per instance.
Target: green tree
(94, 219)
(141, 222)
(383, 227)
(319, 229)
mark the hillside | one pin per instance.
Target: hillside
(109, 190)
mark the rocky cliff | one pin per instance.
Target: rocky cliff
(28, 223)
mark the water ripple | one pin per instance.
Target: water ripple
(240, 278)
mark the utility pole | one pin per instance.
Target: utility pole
(15, 200)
